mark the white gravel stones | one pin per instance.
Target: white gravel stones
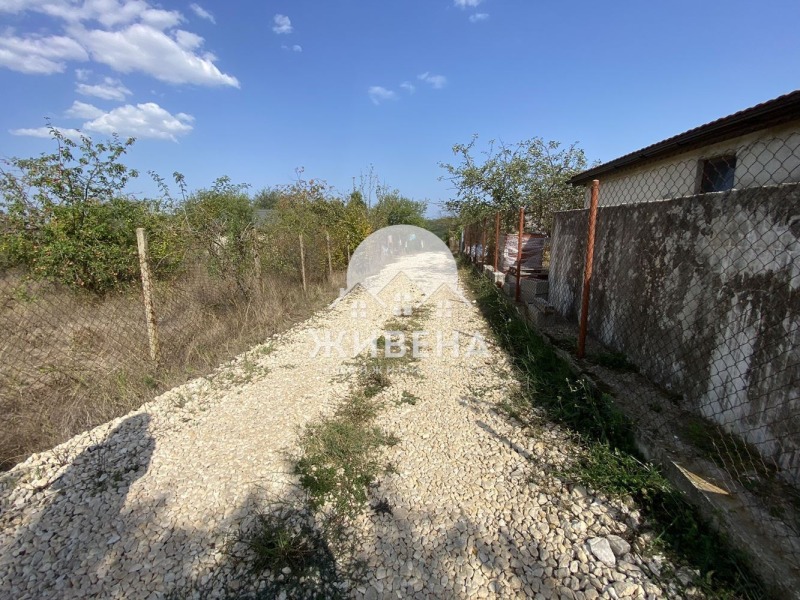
(601, 549)
(141, 506)
(618, 545)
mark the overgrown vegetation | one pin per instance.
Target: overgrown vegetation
(65, 218)
(227, 275)
(533, 174)
(340, 457)
(283, 547)
(611, 463)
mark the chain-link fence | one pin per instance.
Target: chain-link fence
(691, 298)
(686, 307)
(71, 359)
(513, 249)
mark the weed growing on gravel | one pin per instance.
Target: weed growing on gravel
(276, 543)
(408, 398)
(283, 548)
(611, 463)
(340, 456)
(375, 381)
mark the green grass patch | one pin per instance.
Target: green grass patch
(341, 458)
(408, 398)
(276, 543)
(612, 463)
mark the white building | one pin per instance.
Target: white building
(756, 147)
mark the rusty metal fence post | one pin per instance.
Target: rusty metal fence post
(496, 238)
(587, 272)
(483, 242)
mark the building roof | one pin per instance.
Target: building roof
(767, 114)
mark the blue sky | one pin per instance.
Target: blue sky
(255, 89)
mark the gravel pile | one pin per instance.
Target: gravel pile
(474, 509)
(141, 507)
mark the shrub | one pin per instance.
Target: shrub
(221, 220)
(65, 217)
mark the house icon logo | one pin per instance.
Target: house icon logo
(398, 270)
(400, 278)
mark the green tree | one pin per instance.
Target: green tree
(267, 198)
(443, 227)
(66, 216)
(220, 220)
(313, 209)
(393, 208)
(532, 173)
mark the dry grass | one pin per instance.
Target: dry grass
(70, 361)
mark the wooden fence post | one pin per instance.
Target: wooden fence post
(256, 260)
(517, 291)
(330, 261)
(303, 264)
(147, 290)
(587, 272)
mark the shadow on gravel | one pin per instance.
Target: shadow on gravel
(505, 441)
(79, 534)
(506, 565)
(275, 548)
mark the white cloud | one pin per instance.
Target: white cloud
(110, 13)
(467, 3)
(202, 13)
(38, 54)
(478, 17)
(160, 19)
(146, 120)
(295, 48)
(148, 50)
(109, 89)
(283, 24)
(188, 40)
(44, 132)
(82, 110)
(436, 81)
(127, 35)
(380, 94)
(408, 86)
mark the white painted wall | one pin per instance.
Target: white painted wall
(766, 157)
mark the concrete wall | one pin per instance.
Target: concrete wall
(766, 157)
(703, 294)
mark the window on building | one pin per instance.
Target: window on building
(717, 174)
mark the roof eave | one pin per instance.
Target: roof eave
(768, 114)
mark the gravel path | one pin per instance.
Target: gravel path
(140, 506)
